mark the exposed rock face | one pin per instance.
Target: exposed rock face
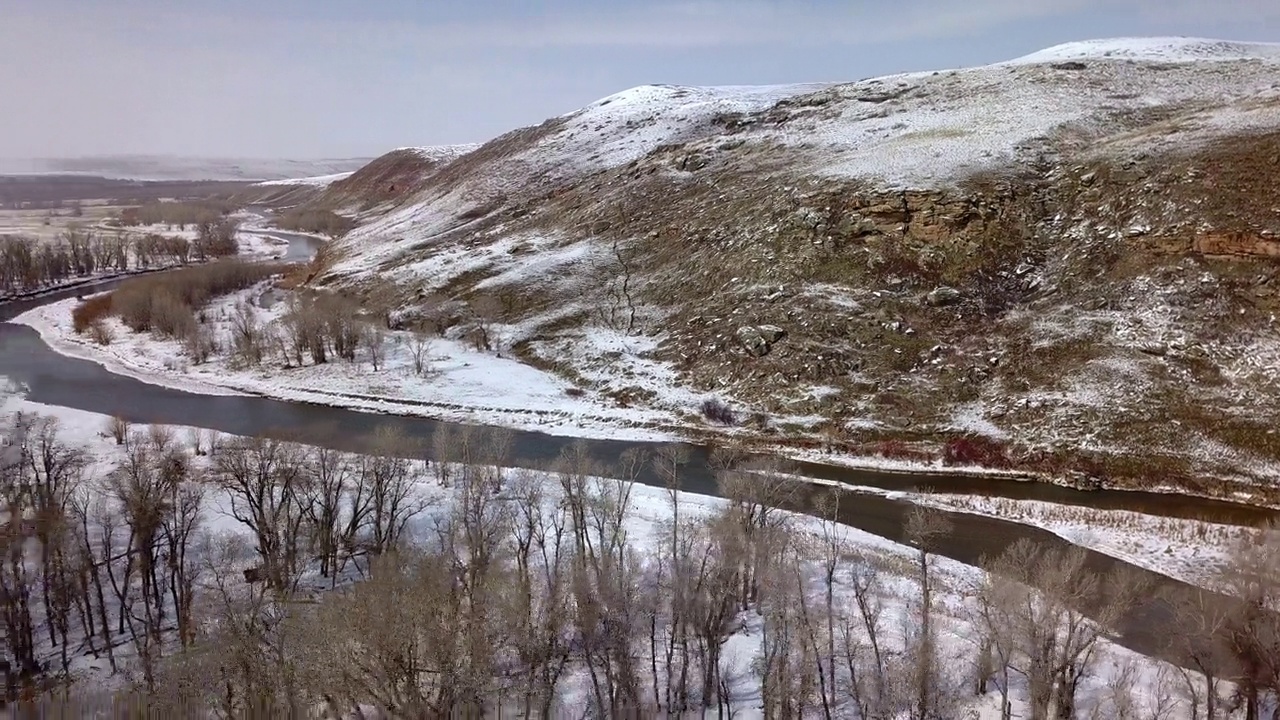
(1237, 244)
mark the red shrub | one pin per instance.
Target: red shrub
(975, 450)
(898, 450)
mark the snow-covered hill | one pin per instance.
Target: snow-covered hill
(1155, 49)
(1071, 197)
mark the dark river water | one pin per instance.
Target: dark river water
(47, 377)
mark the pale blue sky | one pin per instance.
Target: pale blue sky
(334, 78)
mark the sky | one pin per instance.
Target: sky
(306, 79)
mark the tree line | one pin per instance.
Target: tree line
(28, 264)
(382, 586)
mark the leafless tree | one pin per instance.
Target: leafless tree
(924, 528)
(118, 429)
(484, 311)
(247, 336)
(1252, 632)
(375, 344)
(265, 481)
(1033, 596)
(392, 480)
(420, 351)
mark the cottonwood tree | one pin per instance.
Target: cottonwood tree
(1032, 598)
(785, 672)
(248, 337)
(925, 527)
(1252, 632)
(484, 311)
(608, 622)
(392, 483)
(542, 604)
(756, 490)
(374, 339)
(265, 480)
(1200, 646)
(330, 481)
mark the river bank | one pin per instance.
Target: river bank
(647, 525)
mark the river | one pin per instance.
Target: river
(51, 378)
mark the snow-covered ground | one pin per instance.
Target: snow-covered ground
(1189, 550)
(648, 523)
(460, 384)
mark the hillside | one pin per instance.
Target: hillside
(1071, 253)
(391, 176)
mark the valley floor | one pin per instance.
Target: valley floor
(648, 522)
(459, 383)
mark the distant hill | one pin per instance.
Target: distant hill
(164, 167)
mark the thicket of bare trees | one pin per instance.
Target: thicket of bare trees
(381, 586)
(324, 222)
(178, 215)
(30, 264)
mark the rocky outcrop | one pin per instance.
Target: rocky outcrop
(942, 296)
(1237, 244)
(759, 339)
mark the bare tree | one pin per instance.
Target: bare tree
(118, 429)
(265, 482)
(1252, 632)
(484, 310)
(247, 336)
(375, 343)
(924, 528)
(420, 351)
(1032, 598)
(392, 488)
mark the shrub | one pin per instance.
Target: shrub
(899, 450)
(90, 311)
(322, 222)
(200, 344)
(100, 333)
(976, 450)
(118, 429)
(717, 411)
(170, 317)
(136, 301)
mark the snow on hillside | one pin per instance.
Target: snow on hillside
(438, 153)
(315, 181)
(633, 123)
(1154, 49)
(918, 130)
